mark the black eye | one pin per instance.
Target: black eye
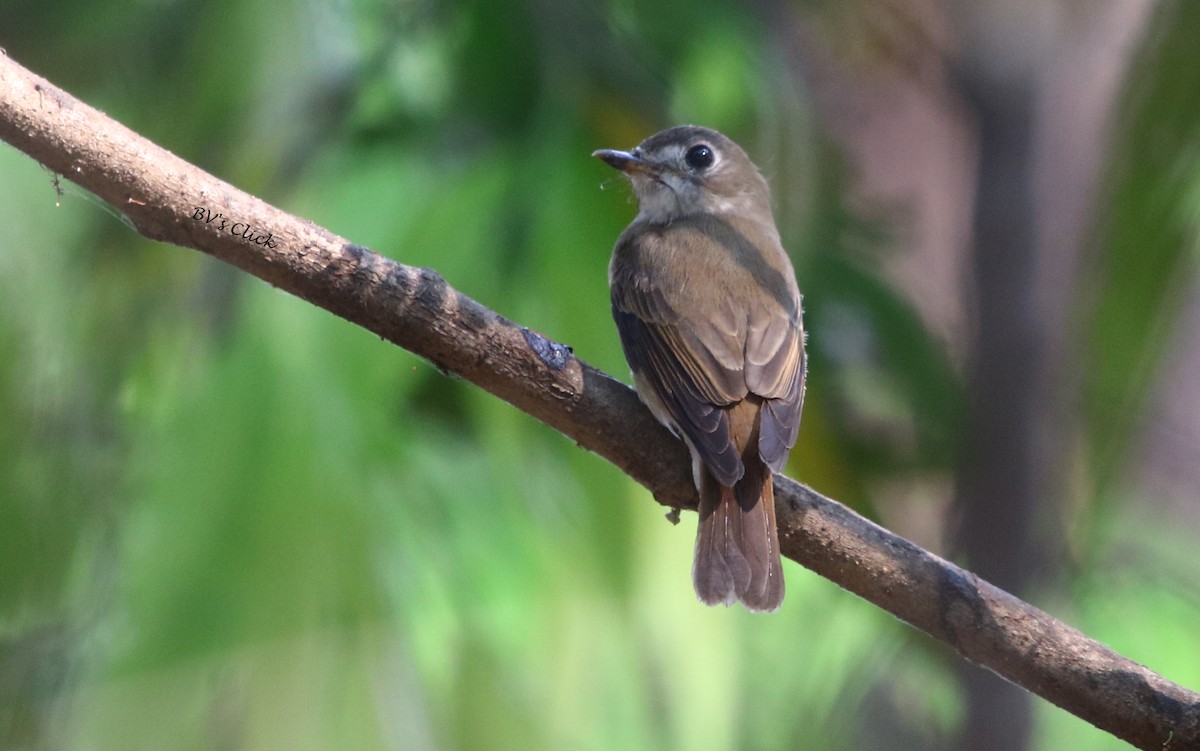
(700, 157)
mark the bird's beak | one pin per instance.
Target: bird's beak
(626, 161)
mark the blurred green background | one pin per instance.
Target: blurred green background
(229, 520)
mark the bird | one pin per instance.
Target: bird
(708, 312)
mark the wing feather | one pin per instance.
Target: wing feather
(700, 360)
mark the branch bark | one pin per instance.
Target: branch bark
(170, 200)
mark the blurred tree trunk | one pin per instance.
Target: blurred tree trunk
(987, 123)
(1042, 89)
(998, 479)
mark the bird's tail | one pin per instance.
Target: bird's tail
(737, 546)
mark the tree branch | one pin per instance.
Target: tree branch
(170, 200)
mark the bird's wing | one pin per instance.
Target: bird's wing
(702, 356)
(687, 381)
(775, 370)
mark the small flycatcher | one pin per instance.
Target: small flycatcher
(708, 311)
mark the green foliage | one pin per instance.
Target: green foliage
(1149, 238)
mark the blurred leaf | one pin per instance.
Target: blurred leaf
(1147, 257)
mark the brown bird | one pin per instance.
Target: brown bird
(708, 311)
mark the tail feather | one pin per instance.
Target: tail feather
(737, 546)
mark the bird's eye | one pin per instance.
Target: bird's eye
(700, 157)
